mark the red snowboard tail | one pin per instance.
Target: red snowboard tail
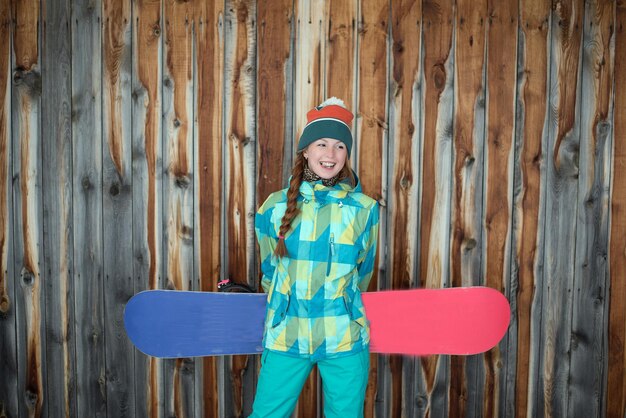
(437, 321)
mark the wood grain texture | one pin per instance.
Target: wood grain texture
(404, 149)
(562, 159)
(435, 179)
(530, 167)
(274, 96)
(616, 376)
(209, 139)
(240, 104)
(178, 214)
(466, 375)
(58, 245)
(87, 207)
(501, 87)
(137, 138)
(147, 184)
(341, 49)
(8, 333)
(371, 135)
(117, 202)
(27, 201)
(588, 347)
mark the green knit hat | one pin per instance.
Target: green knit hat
(330, 119)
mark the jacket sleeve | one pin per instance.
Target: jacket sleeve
(367, 256)
(267, 244)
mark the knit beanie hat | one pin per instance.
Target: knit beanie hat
(330, 119)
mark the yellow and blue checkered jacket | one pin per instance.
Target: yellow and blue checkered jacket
(314, 306)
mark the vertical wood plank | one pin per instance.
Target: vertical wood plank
(239, 105)
(275, 96)
(530, 203)
(436, 180)
(501, 87)
(310, 53)
(466, 376)
(8, 335)
(616, 377)
(371, 113)
(87, 205)
(178, 216)
(26, 105)
(147, 185)
(309, 58)
(208, 139)
(405, 109)
(371, 149)
(57, 205)
(274, 100)
(562, 160)
(341, 47)
(588, 349)
(117, 203)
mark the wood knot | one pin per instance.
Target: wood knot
(29, 80)
(28, 277)
(5, 304)
(439, 76)
(114, 190)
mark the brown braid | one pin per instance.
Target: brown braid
(292, 199)
(292, 208)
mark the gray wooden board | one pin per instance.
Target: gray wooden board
(117, 219)
(586, 380)
(87, 205)
(58, 248)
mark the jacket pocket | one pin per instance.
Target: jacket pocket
(354, 312)
(282, 304)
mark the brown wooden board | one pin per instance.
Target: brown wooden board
(529, 211)
(178, 215)
(436, 181)
(466, 374)
(147, 181)
(405, 107)
(208, 143)
(371, 136)
(27, 207)
(502, 31)
(274, 96)
(240, 155)
(8, 336)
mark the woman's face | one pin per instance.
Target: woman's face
(326, 157)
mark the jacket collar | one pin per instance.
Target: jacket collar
(317, 191)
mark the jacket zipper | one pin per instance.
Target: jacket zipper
(331, 252)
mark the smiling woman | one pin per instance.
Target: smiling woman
(326, 157)
(317, 240)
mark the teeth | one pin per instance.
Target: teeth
(328, 164)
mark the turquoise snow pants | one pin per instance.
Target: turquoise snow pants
(282, 377)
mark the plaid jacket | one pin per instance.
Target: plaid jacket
(314, 306)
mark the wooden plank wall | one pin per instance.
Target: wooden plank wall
(138, 137)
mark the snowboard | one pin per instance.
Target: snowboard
(419, 322)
